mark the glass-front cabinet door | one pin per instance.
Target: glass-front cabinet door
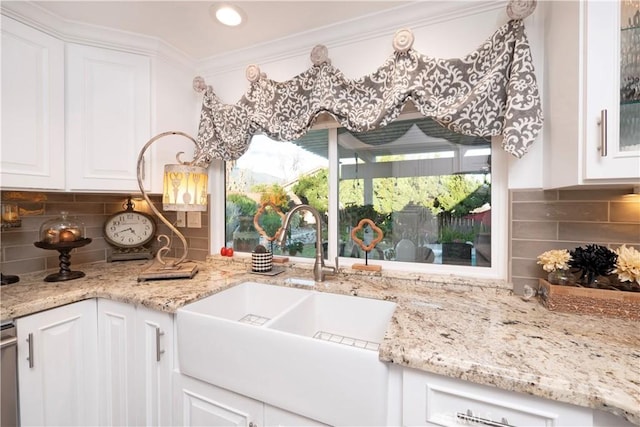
(612, 110)
(630, 76)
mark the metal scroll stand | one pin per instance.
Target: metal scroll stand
(369, 242)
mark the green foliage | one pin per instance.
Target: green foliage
(247, 206)
(455, 234)
(274, 194)
(270, 221)
(460, 194)
(351, 216)
(294, 247)
(314, 190)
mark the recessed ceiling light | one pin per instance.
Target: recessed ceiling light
(227, 14)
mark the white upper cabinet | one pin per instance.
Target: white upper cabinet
(592, 100)
(33, 151)
(108, 117)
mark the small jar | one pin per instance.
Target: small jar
(560, 277)
(62, 229)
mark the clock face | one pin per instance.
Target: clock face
(129, 229)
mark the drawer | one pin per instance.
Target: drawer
(434, 400)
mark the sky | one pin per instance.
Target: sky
(281, 159)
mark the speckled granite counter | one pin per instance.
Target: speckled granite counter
(478, 333)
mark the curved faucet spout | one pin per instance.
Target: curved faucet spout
(318, 273)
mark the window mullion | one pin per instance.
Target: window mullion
(334, 180)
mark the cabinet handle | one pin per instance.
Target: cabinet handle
(603, 133)
(472, 419)
(30, 357)
(159, 352)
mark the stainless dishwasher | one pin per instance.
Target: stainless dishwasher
(9, 375)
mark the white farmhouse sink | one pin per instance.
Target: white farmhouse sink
(312, 353)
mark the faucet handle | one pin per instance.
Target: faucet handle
(334, 268)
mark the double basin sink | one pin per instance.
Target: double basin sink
(309, 352)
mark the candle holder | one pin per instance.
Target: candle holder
(64, 248)
(10, 216)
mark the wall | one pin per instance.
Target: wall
(566, 219)
(18, 255)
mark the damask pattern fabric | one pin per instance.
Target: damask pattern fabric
(492, 91)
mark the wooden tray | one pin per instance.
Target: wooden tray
(603, 302)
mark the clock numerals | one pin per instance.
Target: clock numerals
(129, 229)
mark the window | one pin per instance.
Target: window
(427, 189)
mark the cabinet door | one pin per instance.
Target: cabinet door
(108, 117)
(32, 108)
(155, 365)
(434, 400)
(116, 364)
(57, 365)
(202, 404)
(612, 142)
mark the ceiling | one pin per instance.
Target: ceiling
(187, 25)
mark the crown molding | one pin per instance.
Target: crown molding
(92, 35)
(413, 15)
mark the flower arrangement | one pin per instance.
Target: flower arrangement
(627, 266)
(555, 259)
(592, 261)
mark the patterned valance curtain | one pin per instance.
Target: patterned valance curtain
(491, 91)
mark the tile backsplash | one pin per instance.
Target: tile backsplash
(18, 255)
(566, 219)
(540, 220)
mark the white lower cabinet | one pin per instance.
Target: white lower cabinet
(201, 404)
(57, 361)
(135, 364)
(434, 400)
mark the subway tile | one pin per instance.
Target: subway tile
(74, 209)
(101, 198)
(599, 232)
(544, 230)
(625, 212)
(198, 255)
(202, 244)
(15, 253)
(23, 266)
(80, 258)
(58, 197)
(195, 232)
(522, 267)
(18, 237)
(32, 222)
(533, 195)
(532, 248)
(600, 194)
(560, 211)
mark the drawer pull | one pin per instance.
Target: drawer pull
(469, 418)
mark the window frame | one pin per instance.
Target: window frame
(499, 214)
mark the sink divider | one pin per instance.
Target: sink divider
(287, 310)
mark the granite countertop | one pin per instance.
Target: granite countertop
(474, 330)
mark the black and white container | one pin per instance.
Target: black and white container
(261, 262)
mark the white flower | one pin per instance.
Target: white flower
(555, 259)
(628, 264)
